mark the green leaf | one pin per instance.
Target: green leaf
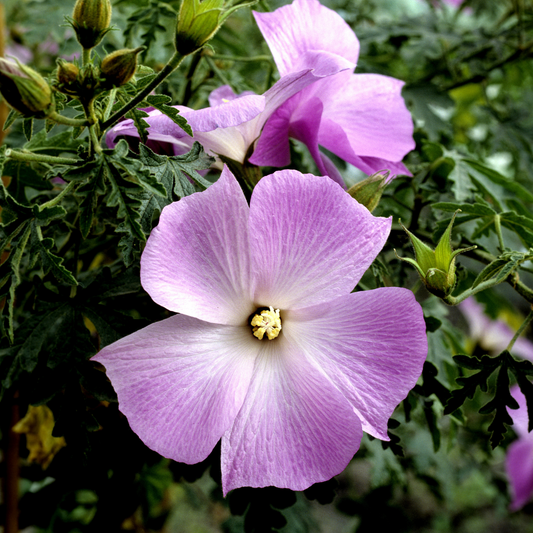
(173, 172)
(44, 215)
(501, 180)
(27, 128)
(148, 19)
(57, 144)
(469, 385)
(499, 269)
(103, 323)
(11, 117)
(463, 187)
(138, 115)
(35, 332)
(521, 225)
(160, 101)
(50, 262)
(502, 398)
(11, 209)
(90, 191)
(14, 262)
(477, 209)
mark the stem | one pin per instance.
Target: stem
(110, 101)
(95, 143)
(217, 71)
(89, 112)
(60, 119)
(450, 300)
(18, 155)
(498, 224)
(169, 68)
(520, 287)
(244, 59)
(187, 92)
(520, 330)
(86, 56)
(58, 198)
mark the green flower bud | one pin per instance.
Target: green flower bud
(67, 77)
(119, 67)
(198, 22)
(90, 20)
(368, 192)
(436, 267)
(25, 90)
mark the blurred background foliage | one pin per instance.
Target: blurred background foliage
(468, 75)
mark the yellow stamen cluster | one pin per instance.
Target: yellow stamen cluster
(268, 322)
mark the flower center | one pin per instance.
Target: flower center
(266, 321)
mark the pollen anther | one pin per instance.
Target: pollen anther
(269, 322)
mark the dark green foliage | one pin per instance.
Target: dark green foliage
(486, 366)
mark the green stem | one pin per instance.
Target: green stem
(470, 292)
(520, 287)
(110, 101)
(58, 198)
(86, 56)
(498, 225)
(169, 68)
(18, 155)
(268, 59)
(95, 143)
(60, 119)
(217, 71)
(526, 322)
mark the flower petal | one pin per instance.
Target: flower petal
(294, 429)
(302, 26)
(519, 416)
(519, 466)
(196, 261)
(371, 344)
(310, 240)
(181, 382)
(367, 117)
(229, 113)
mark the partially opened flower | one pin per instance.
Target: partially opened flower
(519, 460)
(361, 118)
(232, 123)
(271, 352)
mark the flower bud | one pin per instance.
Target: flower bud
(67, 76)
(24, 89)
(90, 20)
(119, 67)
(368, 192)
(436, 267)
(197, 24)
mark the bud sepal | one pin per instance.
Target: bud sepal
(368, 191)
(436, 267)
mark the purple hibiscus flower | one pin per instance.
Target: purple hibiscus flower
(362, 118)
(318, 100)
(232, 122)
(271, 352)
(519, 460)
(493, 335)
